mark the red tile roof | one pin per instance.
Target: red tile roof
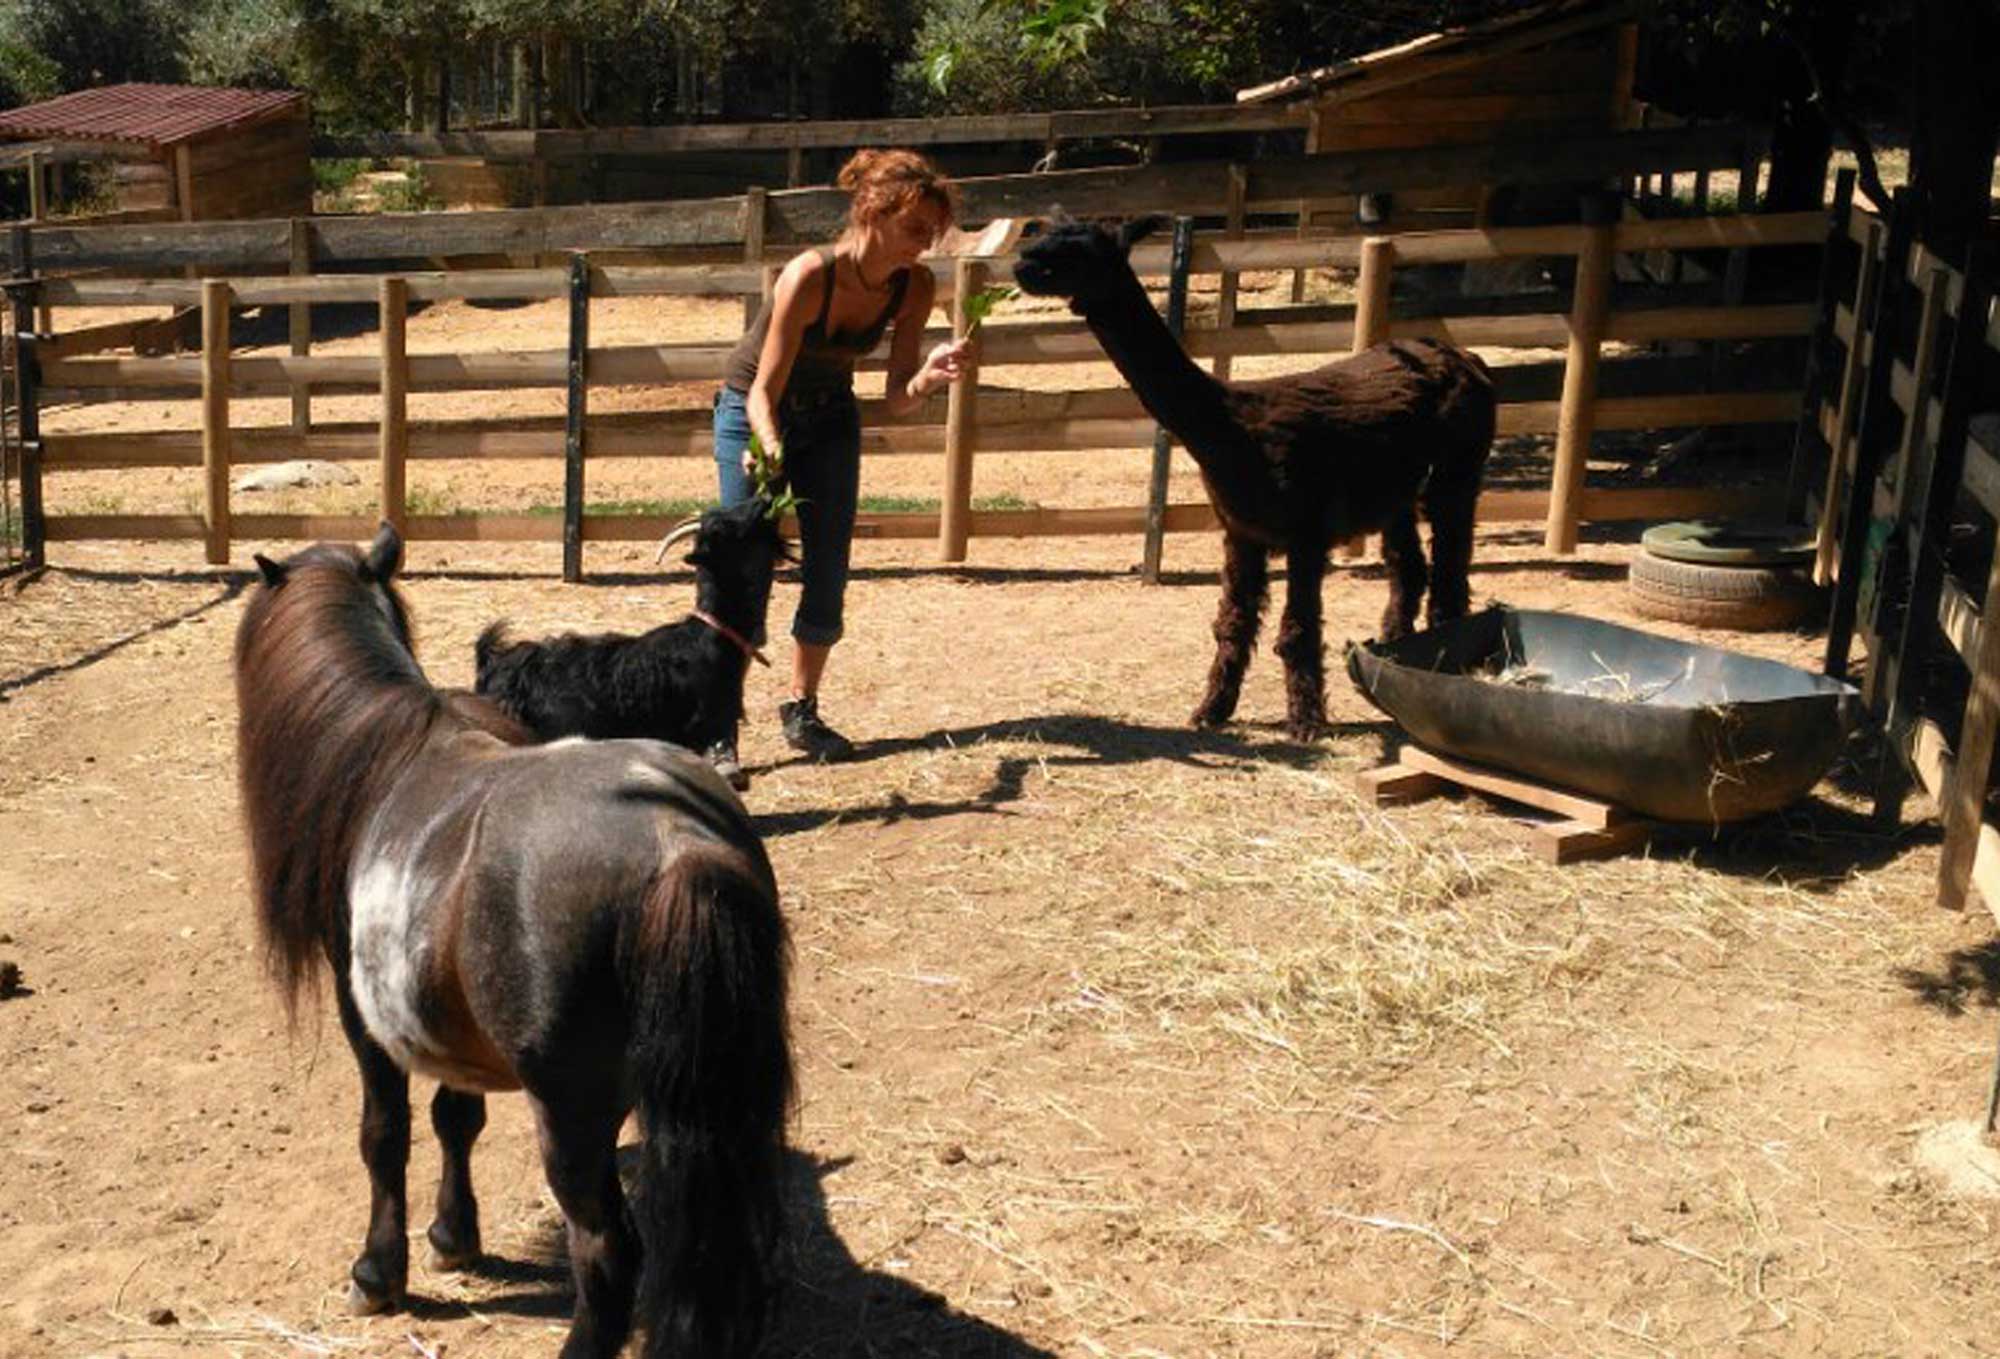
(149, 115)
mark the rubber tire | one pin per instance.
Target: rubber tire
(1707, 543)
(1742, 598)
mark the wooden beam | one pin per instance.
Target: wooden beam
(215, 418)
(575, 430)
(1579, 396)
(1277, 183)
(393, 368)
(961, 421)
(300, 325)
(1156, 481)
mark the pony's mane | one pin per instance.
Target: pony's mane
(331, 705)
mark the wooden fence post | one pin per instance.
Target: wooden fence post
(27, 402)
(755, 215)
(38, 211)
(961, 422)
(1962, 800)
(1315, 130)
(1373, 289)
(1881, 629)
(1232, 230)
(301, 331)
(1576, 417)
(1816, 359)
(395, 431)
(578, 410)
(1878, 417)
(1930, 485)
(1847, 404)
(1371, 300)
(215, 294)
(1163, 444)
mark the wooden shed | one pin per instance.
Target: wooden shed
(1547, 73)
(179, 152)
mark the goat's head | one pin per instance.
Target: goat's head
(735, 556)
(1078, 260)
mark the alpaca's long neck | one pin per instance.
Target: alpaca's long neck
(1172, 387)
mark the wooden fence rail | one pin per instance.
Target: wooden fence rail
(975, 418)
(1273, 184)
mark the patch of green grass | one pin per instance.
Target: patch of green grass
(913, 504)
(878, 504)
(332, 174)
(430, 500)
(675, 509)
(412, 193)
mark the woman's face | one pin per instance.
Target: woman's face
(909, 233)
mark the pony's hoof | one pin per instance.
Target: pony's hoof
(449, 1255)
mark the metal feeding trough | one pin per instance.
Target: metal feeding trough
(1666, 728)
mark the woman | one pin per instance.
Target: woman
(791, 381)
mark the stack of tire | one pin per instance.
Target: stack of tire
(1750, 577)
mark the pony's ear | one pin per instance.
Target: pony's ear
(270, 572)
(1136, 230)
(385, 554)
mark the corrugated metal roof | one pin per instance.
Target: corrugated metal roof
(1382, 64)
(148, 115)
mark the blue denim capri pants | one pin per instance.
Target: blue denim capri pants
(822, 433)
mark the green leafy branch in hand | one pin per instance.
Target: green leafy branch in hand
(981, 304)
(767, 472)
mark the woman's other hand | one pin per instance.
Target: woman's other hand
(945, 364)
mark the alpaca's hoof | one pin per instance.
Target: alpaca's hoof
(368, 1292)
(1208, 719)
(362, 1303)
(1305, 730)
(449, 1255)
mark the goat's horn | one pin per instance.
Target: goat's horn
(674, 535)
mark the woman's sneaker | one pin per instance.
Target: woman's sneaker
(805, 732)
(723, 756)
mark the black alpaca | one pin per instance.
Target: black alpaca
(680, 682)
(1295, 464)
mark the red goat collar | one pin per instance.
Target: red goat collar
(742, 643)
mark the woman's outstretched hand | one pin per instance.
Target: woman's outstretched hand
(945, 364)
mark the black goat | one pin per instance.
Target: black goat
(680, 682)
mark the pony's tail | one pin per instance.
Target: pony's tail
(713, 1067)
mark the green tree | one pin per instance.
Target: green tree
(54, 46)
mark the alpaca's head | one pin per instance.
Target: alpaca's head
(1079, 260)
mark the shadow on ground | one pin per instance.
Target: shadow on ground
(829, 1304)
(1080, 739)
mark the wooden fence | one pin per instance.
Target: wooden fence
(982, 420)
(1571, 400)
(1899, 465)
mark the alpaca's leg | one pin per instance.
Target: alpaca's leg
(1246, 577)
(1451, 510)
(1300, 642)
(1403, 554)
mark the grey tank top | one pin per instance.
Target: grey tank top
(824, 362)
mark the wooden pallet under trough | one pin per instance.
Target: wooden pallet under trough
(1588, 829)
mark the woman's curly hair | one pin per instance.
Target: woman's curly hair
(881, 182)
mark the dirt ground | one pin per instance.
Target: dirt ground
(1115, 1038)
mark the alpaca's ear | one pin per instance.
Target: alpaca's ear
(1136, 230)
(270, 572)
(385, 554)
